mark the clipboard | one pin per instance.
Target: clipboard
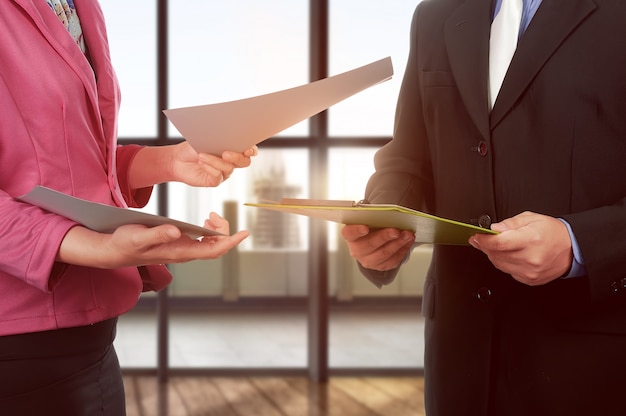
(428, 229)
(100, 217)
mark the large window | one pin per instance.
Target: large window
(219, 51)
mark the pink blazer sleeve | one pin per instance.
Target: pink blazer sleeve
(135, 198)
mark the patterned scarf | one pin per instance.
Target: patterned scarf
(66, 12)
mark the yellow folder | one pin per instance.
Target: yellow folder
(428, 229)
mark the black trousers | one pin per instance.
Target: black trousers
(72, 372)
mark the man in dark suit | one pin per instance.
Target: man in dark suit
(531, 321)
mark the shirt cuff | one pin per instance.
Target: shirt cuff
(578, 263)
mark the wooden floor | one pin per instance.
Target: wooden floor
(273, 396)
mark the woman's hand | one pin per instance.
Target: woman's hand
(181, 163)
(204, 169)
(137, 245)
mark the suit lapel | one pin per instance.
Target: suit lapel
(467, 41)
(96, 40)
(550, 26)
(108, 95)
(54, 32)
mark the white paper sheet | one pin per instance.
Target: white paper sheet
(239, 125)
(100, 217)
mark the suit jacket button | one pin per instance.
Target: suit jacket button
(484, 294)
(484, 221)
(615, 287)
(482, 148)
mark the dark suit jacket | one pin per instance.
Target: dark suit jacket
(555, 143)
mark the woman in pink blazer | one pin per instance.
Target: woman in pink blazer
(62, 285)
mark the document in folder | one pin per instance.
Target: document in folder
(241, 124)
(428, 228)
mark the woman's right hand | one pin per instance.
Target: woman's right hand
(137, 245)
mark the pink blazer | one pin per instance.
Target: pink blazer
(58, 127)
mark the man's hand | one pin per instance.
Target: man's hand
(533, 248)
(380, 249)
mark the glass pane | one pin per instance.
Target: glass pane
(348, 170)
(271, 263)
(131, 27)
(238, 339)
(136, 339)
(132, 37)
(360, 33)
(377, 337)
(223, 51)
(274, 173)
(357, 333)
